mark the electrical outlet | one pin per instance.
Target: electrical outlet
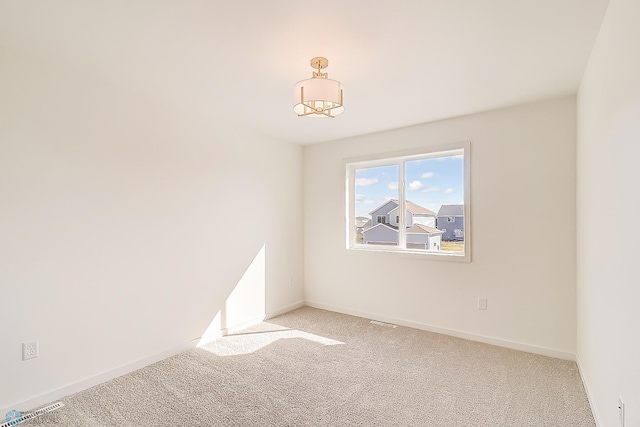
(620, 411)
(482, 303)
(29, 350)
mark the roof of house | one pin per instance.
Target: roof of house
(411, 207)
(395, 202)
(417, 209)
(414, 229)
(380, 225)
(451, 210)
(423, 229)
(361, 221)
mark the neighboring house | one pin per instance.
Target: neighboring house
(415, 215)
(362, 222)
(388, 213)
(421, 236)
(418, 236)
(451, 222)
(421, 231)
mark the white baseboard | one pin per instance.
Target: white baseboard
(243, 325)
(589, 396)
(451, 332)
(125, 369)
(141, 363)
(273, 313)
(97, 379)
(235, 328)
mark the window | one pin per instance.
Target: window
(417, 187)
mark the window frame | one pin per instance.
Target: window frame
(399, 158)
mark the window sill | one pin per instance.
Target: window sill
(433, 255)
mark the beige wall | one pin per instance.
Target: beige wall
(523, 228)
(608, 203)
(126, 224)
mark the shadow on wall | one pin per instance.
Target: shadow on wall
(245, 304)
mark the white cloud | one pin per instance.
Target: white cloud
(360, 197)
(392, 186)
(430, 189)
(416, 185)
(427, 175)
(369, 202)
(364, 182)
(449, 190)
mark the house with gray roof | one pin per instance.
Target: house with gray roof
(421, 232)
(387, 213)
(450, 221)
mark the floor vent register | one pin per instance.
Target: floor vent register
(14, 417)
(383, 324)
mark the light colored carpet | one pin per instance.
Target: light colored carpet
(317, 368)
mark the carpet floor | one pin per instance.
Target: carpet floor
(313, 367)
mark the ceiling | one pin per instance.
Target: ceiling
(402, 62)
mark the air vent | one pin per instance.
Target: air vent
(16, 417)
(383, 324)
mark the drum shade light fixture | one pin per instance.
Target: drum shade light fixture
(318, 96)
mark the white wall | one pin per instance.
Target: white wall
(115, 240)
(523, 228)
(608, 203)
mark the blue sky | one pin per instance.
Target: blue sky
(429, 183)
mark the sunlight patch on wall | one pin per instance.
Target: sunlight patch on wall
(246, 303)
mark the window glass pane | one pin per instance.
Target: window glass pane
(435, 200)
(376, 201)
(432, 187)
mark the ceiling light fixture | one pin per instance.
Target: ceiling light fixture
(318, 96)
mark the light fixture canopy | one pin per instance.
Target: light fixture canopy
(318, 96)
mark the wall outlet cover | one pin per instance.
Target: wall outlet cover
(30, 350)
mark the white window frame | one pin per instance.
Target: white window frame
(398, 158)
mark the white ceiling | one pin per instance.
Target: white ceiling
(402, 62)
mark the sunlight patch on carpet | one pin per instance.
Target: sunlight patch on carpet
(253, 339)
